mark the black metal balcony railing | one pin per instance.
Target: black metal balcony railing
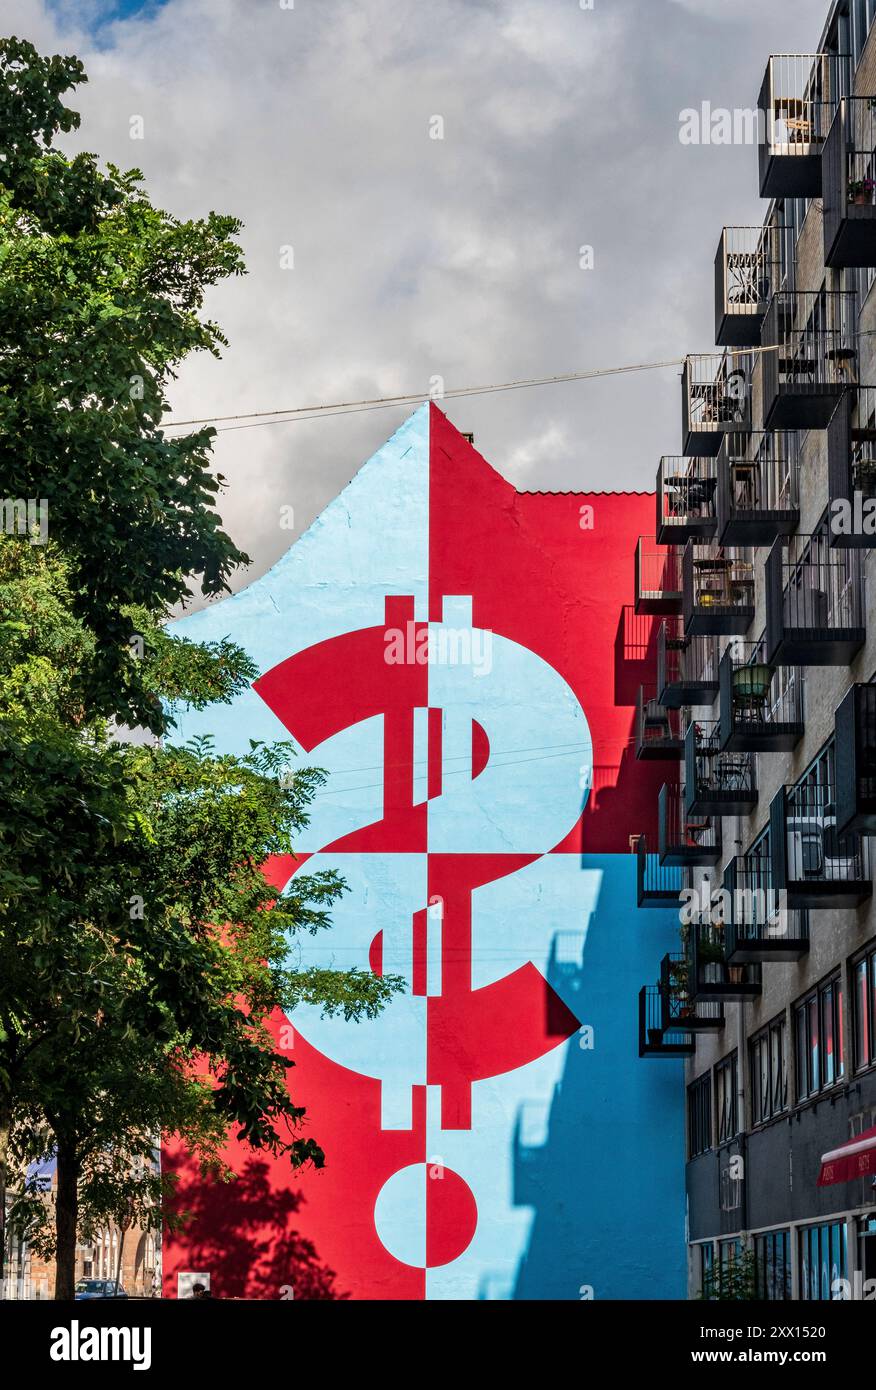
(798, 97)
(761, 706)
(653, 1041)
(848, 179)
(657, 885)
(710, 976)
(715, 399)
(687, 667)
(684, 839)
(856, 761)
(758, 924)
(679, 1010)
(658, 577)
(659, 730)
(814, 603)
(685, 499)
(758, 488)
(851, 470)
(717, 590)
(750, 265)
(812, 358)
(716, 782)
(812, 861)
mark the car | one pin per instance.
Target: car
(98, 1288)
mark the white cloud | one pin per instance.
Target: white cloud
(416, 256)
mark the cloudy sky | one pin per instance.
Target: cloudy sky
(417, 257)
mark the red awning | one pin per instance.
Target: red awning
(854, 1159)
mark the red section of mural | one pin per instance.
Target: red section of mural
(337, 683)
(564, 590)
(451, 1215)
(248, 1234)
(571, 601)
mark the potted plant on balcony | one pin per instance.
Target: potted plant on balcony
(710, 949)
(861, 191)
(678, 989)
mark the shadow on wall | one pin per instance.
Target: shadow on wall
(599, 1163)
(635, 654)
(244, 1232)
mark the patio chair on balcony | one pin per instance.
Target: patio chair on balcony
(796, 114)
(744, 474)
(695, 828)
(731, 772)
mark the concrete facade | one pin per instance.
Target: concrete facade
(782, 1156)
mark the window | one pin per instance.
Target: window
(769, 1074)
(863, 13)
(707, 1265)
(823, 1258)
(818, 1022)
(699, 1116)
(725, 1098)
(864, 1010)
(772, 1265)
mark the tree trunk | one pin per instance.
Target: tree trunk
(5, 1130)
(66, 1219)
(122, 1230)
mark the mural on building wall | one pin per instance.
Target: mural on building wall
(462, 659)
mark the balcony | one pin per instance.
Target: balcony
(653, 1041)
(848, 179)
(687, 667)
(659, 731)
(814, 603)
(679, 1010)
(715, 399)
(685, 499)
(749, 267)
(815, 359)
(657, 885)
(658, 577)
(856, 761)
(812, 862)
(758, 488)
(685, 840)
(716, 783)
(851, 470)
(758, 925)
(717, 590)
(798, 98)
(761, 706)
(710, 976)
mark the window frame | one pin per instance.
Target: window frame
(865, 961)
(768, 1071)
(727, 1098)
(772, 1264)
(811, 1036)
(699, 1116)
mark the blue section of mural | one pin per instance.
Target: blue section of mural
(575, 1159)
(370, 542)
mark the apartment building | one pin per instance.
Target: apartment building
(762, 573)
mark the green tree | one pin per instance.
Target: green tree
(733, 1282)
(100, 300)
(142, 951)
